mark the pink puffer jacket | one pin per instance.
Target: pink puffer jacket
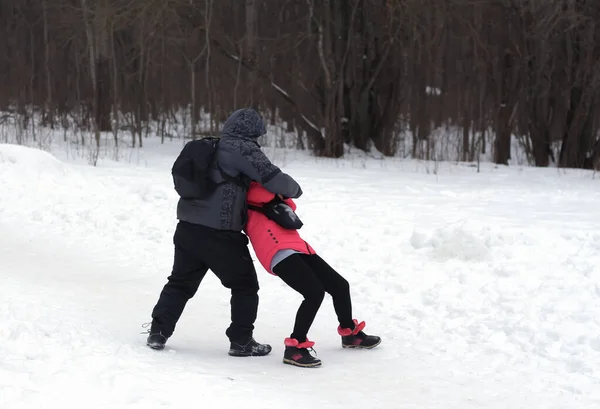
(266, 236)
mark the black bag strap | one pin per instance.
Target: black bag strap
(281, 218)
(229, 178)
(236, 180)
(257, 208)
(273, 202)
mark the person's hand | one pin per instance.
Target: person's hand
(281, 197)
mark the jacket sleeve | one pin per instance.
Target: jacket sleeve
(252, 162)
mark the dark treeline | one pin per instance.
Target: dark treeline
(337, 71)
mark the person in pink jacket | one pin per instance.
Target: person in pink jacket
(282, 252)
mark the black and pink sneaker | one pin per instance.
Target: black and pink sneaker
(356, 338)
(297, 354)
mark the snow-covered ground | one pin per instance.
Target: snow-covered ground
(485, 288)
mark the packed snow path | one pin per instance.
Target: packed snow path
(484, 287)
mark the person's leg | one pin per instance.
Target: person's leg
(349, 329)
(299, 276)
(186, 275)
(229, 259)
(335, 285)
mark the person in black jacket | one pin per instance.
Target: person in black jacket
(209, 236)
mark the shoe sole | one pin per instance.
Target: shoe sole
(245, 354)
(294, 363)
(360, 346)
(157, 347)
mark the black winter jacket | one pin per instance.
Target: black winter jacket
(238, 154)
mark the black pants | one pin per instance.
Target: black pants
(225, 253)
(311, 276)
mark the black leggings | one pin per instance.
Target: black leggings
(311, 276)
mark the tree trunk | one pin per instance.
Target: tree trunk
(91, 43)
(48, 106)
(193, 112)
(251, 28)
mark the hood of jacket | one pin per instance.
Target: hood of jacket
(244, 123)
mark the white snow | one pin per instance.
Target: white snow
(433, 91)
(485, 288)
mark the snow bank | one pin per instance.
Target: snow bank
(19, 164)
(60, 199)
(464, 241)
(514, 297)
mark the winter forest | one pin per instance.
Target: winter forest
(475, 75)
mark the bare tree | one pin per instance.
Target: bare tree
(482, 73)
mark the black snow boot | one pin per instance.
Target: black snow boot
(155, 340)
(356, 338)
(297, 354)
(249, 348)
